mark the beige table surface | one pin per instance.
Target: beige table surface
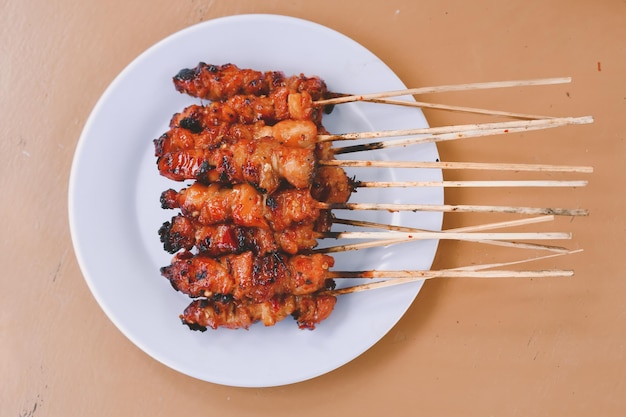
(541, 347)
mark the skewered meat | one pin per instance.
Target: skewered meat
(186, 136)
(308, 310)
(214, 204)
(219, 82)
(216, 240)
(280, 104)
(263, 163)
(254, 205)
(331, 185)
(243, 205)
(246, 276)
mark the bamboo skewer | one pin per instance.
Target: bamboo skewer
(454, 208)
(446, 88)
(434, 138)
(464, 184)
(448, 273)
(425, 105)
(463, 130)
(524, 245)
(389, 242)
(472, 268)
(470, 236)
(476, 228)
(503, 239)
(511, 263)
(358, 246)
(456, 165)
(489, 226)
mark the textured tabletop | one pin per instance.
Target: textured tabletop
(465, 347)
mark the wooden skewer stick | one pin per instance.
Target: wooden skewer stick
(436, 138)
(474, 129)
(523, 245)
(448, 273)
(393, 282)
(446, 88)
(454, 208)
(389, 242)
(471, 236)
(456, 165)
(464, 184)
(489, 226)
(517, 262)
(358, 246)
(425, 105)
(475, 228)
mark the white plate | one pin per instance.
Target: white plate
(115, 213)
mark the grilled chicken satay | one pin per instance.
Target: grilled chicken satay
(183, 233)
(308, 311)
(280, 104)
(188, 135)
(248, 277)
(264, 163)
(331, 185)
(219, 82)
(243, 205)
(253, 153)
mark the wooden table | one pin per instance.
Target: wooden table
(465, 347)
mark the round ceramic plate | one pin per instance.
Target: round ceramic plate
(115, 212)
